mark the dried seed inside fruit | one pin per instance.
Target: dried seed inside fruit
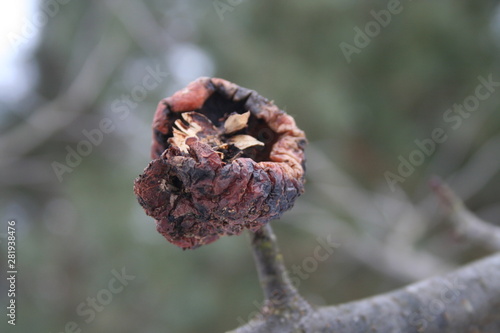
(225, 159)
(244, 141)
(236, 122)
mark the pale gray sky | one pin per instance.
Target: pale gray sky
(20, 24)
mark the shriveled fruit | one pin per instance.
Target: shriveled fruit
(225, 159)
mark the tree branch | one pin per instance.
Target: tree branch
(280, 294)
(466, 300)
(464, 221)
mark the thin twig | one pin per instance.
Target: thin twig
(465, 222)
(278, 289)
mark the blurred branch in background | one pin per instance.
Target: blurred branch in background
(70, 104)
(468, 181)
(139, 22)
(466, 224)
(383, 231)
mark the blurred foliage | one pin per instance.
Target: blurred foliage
(359, 116)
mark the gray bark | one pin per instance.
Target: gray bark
(467, 300)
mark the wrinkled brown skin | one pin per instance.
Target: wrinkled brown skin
(197, 197)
